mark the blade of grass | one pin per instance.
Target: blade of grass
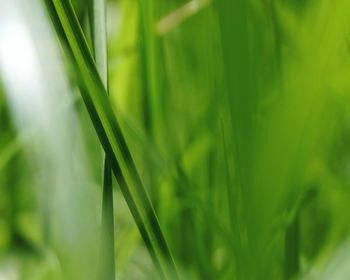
(291, 246)
(113, 142)
(149, 47)
(241, 98)
(107, 265)
(99, 40)
(232, 203)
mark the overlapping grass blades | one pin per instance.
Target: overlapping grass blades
(113, 142)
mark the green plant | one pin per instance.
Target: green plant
(224, 124)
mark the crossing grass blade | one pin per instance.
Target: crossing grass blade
(113, 141)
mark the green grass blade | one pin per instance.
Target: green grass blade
(113, 142)
(99, 40)
(241, 101)
(150, 49)
(107, 265)
(291, 245)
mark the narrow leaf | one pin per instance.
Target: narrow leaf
(99, 39)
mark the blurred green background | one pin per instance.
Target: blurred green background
(236, 113)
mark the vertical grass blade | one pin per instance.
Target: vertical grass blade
(291, 246)
(241, 104)
(99, 40)
(107, 265)
(113, 142)
(149, 48)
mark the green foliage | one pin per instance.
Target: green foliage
(226, 128)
